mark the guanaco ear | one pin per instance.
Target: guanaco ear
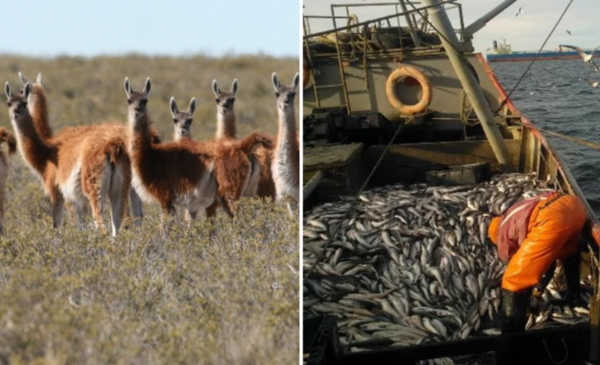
(216, 89)
(174, 109)
(23, 79)
(27, 91)
(192, 107)
(38, 79)
(276, 83)
(8, 91)
(128, 90)
(147, 86)
(234, 87)
(296, 81)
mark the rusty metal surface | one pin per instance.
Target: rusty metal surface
(409, 163)
(445, 86)
(327, 157)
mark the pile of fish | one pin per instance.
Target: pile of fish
(412, 264)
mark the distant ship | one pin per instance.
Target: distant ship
(502, 52)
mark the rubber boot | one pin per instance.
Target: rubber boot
(539, 288)
(514, 318)
(571, 269)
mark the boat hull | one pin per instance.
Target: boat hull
(409, 160)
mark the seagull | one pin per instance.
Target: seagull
(568, 31)
(595, 84)
(587, 58)
(520, 11)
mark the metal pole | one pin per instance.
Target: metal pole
(312, 184)
(411, 29)
(481, 22)
(440, 20)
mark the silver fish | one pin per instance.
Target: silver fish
(411, 264)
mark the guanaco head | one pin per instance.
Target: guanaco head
(17, 104)
(37, 92)
(137, 100)
(183, 120)
(225, 99)
(285, 94)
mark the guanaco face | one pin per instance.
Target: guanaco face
(285, 94)
(225, 99)
(17, 104)
(137, 100)
(183, 120)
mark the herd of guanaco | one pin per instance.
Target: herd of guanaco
(119, 165)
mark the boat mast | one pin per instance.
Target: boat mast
(411, 28)
(440, 20)
(481, 22)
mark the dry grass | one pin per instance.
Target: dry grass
(79, 297)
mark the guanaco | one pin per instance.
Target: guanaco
(83, 166)
(237, 169)
(39, 111)
(11, 143)
(226, 127)
(286, 158)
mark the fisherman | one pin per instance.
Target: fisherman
(532, 234)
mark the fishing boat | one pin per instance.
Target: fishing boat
(390, 100)
(502, 52)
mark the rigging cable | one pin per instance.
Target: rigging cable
(534, 59)
(528, 67)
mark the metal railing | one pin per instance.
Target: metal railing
(358, 42)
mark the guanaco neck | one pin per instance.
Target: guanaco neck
(286, 153)
(33, 149)
(39, 113)
(226, 125)
(140, 142)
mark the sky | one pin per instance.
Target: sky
(164, 27)
(525, 32)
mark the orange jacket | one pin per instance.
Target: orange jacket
(510, 230)
(553, 233)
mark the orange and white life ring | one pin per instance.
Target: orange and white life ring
(400, 74)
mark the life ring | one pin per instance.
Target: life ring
(400, 74)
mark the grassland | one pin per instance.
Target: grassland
(80, 297)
